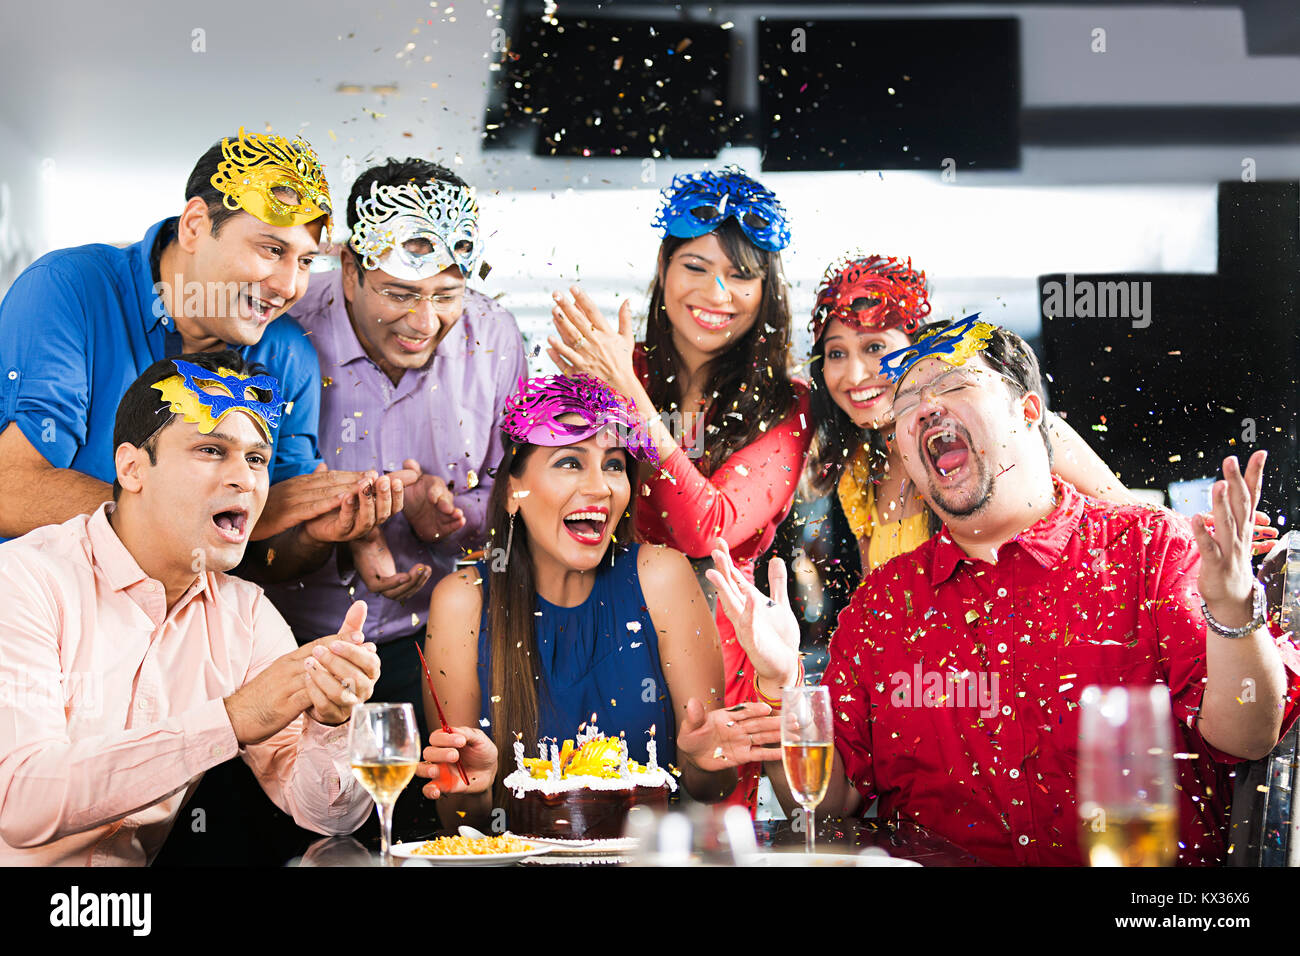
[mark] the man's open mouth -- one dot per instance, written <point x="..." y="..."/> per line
<point x="412" y="345"/>
<point x="946" y="449"/>
<point x="588" y="526"/>
<point x="260" y="309"/>
<point x="232" y="525"/>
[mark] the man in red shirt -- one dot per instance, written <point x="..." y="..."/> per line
<point x="956" y="671"/>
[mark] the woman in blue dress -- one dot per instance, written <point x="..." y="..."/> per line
<point x="567" y="617"/>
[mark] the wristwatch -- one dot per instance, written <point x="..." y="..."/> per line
<point x="1258" y="610"/>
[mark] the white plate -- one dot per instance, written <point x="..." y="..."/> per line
<point x="797" y="858"/>
<point x="608" y="847"/>
<point x="406" y="851"/>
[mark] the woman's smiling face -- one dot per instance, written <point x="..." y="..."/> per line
<point x="571" y="498"/>
<point x="851" y="367"/>
<point x="710" y="302"/>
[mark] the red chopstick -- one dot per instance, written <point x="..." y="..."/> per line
<point x="428" y="678"/>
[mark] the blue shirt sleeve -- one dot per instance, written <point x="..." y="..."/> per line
<point x="296" y="451"/>
<point x="44" y="350"/>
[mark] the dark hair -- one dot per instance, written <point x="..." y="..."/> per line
<point x="512" y="601"/>
<point x="1010" y="355"/>
<point x="200" y="185"/>
<point x="142" y="413"/>
<point x="394" y="172"/>
<point x="750" y="383"/>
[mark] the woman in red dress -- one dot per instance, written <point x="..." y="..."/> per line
<point x="711" y="379"/>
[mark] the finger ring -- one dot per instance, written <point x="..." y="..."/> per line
<point x="771" y="603"/>
<point x="751" y="740"/>
<point x="580" y="344"/>
<point x="347" y="684"/>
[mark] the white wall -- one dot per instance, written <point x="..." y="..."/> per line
<point x="122" y="100"/>
<point x="24" y="235"/>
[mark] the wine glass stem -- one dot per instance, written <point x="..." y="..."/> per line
<point x="809" y="836"/>
<point x="385" y="811"/>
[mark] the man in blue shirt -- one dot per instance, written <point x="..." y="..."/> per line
<point x="80" y="324"/>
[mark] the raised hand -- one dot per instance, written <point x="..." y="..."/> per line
<point x="588" y="344"/>
<point x="468" y="746"/>
<point x="1225" y="541"/>
<point x="726" y="738"/>
<point x="767" y="629"/>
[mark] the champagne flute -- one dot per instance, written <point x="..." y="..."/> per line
<point x="384" y="748"/>
<point x="806" y="750"/>
<point x="1126" y="776"/>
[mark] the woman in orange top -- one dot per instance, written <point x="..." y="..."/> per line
<point x="867" y="307"/>
<point x="716" y="361"/>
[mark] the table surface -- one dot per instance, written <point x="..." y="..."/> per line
<point x="899" y="839"/>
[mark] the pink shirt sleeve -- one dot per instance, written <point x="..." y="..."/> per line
<point x="750" y="492"/>
<point x="50" y="786"/>
<point x="304" y="768"/>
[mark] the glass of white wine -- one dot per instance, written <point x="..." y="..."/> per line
<point x="806" y="750"/>
<point x="384" y="748"/>
<point x="1126" y="776"/>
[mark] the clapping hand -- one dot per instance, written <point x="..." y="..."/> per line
<point x="374" y="561"/>
<point x="429" y="507"/>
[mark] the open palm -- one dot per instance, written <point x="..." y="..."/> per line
<point x="766" y="628"/>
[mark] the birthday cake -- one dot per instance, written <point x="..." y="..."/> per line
<point x="583" y="789"/>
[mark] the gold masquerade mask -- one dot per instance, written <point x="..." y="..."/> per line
<point x="256" y="165"/>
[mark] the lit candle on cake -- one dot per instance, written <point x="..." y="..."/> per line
<point x="654" y="757"/>
<point x="519" y="754"/>
<point x="623" y="770"/>
<point x="555" y="761"/>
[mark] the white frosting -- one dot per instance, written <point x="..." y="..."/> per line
<point x="520" y="782"/>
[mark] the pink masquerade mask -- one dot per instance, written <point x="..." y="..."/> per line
<point x="532" y="414"/>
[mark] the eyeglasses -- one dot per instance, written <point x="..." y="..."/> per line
<point x="407" y="301"/>
<point x="909" y="400"/>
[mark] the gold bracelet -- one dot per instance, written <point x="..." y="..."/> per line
<point x="775" y="703"/>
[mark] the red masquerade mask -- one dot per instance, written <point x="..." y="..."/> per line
<point x="872" y="293"/>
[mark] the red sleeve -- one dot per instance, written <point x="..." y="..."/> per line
<point x="751" y="491"/>
<point x="1175" y="602"/>
<point x="851" y="694"/>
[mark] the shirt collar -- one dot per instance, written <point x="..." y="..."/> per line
<point x="111" y="556"/>
<point x="1044" y="541"/>
<point x="152" y="307"/>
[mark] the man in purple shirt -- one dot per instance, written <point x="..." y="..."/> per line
<point x="415" y="369"/>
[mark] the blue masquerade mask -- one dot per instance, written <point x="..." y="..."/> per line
<point x="954" y="344"/>
<point x="698" y="203"/>
<point x="258" y="395"/>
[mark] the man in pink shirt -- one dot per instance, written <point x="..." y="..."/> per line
<point x="130" y="663"/>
